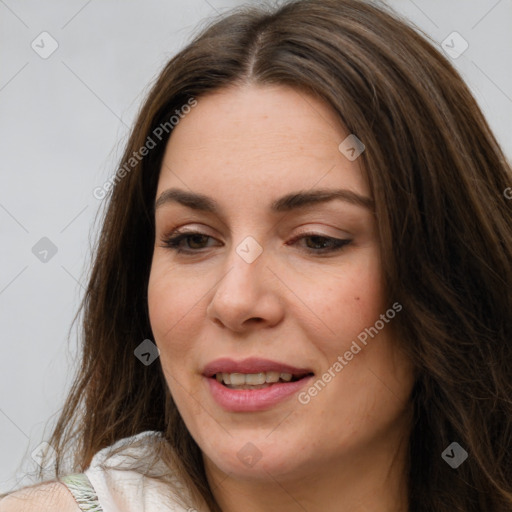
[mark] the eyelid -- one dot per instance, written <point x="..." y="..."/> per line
<point x="176" y="229"/>
<point x="315" y="230"/>
<point x="203" y="230"/>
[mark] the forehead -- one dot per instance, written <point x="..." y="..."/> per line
<point x="261" y="139"/>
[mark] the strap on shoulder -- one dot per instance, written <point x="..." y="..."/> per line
<point x="82" y="490"/>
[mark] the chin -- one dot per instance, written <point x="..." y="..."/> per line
<point x="258" y="458"/>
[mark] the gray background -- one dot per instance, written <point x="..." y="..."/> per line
<point x="63" y="123"/>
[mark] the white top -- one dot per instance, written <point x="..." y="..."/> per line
<point x="125" y="490"/>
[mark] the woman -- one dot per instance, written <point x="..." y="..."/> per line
<point x="300" y="299"/>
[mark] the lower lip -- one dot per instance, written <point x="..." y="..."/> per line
<point x="252" y="400"/>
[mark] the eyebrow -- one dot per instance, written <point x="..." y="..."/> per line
<point x="293" y="201"/>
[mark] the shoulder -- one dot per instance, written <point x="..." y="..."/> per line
<point x="131" y="475"/>
<point x="44" y="497"/>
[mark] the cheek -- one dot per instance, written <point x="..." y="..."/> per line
<point x="173" y="307"/>
<point x="351" y="299"/>
<point x="374" y="378"/>
<point x="174" y="316"/>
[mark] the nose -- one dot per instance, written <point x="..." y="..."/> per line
<point x="248" y="295"/>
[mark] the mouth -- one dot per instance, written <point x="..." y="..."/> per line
<point x="254" y="384"/>
<point x="260" y="380"/>
<point x="253" y="373"/>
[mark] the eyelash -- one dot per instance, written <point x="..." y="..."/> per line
<point x="173" y="242"/>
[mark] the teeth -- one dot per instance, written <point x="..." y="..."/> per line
<point x="252" y="379"/>
<point x="272" y="377"/>
<point x="237" y="379"/>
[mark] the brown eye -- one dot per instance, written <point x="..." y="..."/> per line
<point x="195" y="241"/>
<point x="321" y="244"/>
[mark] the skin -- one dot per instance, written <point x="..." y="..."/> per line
<point x="246" y="146"/>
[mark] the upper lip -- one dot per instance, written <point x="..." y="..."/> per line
<point x="251" y="365"/>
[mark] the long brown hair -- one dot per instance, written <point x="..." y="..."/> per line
<point x="437" y="175"/>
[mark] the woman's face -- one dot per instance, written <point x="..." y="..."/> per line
<point x="278" y="281"/>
